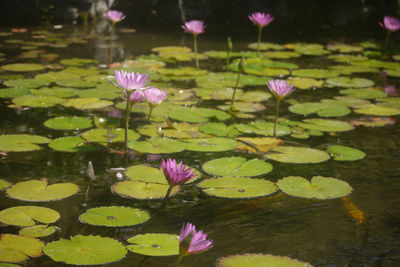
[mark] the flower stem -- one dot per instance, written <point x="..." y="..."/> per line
<point x="195" y="50"/>
<point x="180" y="257"/>
<point x="166" y="197"/>
<point x="151" y="106"/>
<point x="278" y="101"/>
<point x="127" y="115"/>
<point x="259" y="41"/>
<point x="387" y="40"/>
<point x="236" y="86"/>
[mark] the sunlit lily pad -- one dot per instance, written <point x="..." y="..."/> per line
<point x="315" y="73"/>
<point x="377" y="64"/>
<point x="54" y="91"/>
<point x="154" y="244"/>
<point x="259" y="260"/>
<point x="54" y="76"/>
<point x="344" y="48"/>
<point x="82" y="71"/>
<point x="23" y="67"/>
<point x="292" y="154"/>
<point x="320" y="187"/>
<point x="197" y="114"/>
<point x="171" y="48"/>
<point x="281" y="54"/>
<point x="37" y="101"/>
<point x="323" y="109"/>
<point x="102" y="93"/>
<point x="87" y="103"/>
<point x="142" y="190"/>
<point x="236" y="166"/>
<point x="266" y="46"/>
<point x="14" y="92"/>
<point x="325" y="125"/>
<point x="237" y="187"/>
<point x="143" y="64"/>
<point x="306" y="83"/>
<point x="109" y="135"/>
<point x="345" y="153"/>
<point x="246" y="107"/>
<point x="227" y="93"/>
<point x="68" y="123"/>
<point x="114" y="216"/>
<point x="177" y="130"/>
<point x="348" y="82"/>
<point x="31" y="83"/>
<point x="344" y="58"/>
<point x="85" y="250"/>
<point x="257" y="144"/>
<point x="28" y="215"/>
<point x="262" y="128"/>
<point x="376" y="110"/>
<point x="78" y="61"/>
<point x="72" y="144"/>
<point x="218" y="80"/>
<point x="4" y="184"/>
<point x="39" y="230"/>
<point x="76" y="83"/>
<point x="219" y="129"/>
<point x="349" y="69"/>
<point x="158" y="145"/>
<point x="21" y="142"/>
<point x="263" y="71"/>
<point x="210" y="144"/>
<point x="16" y="248"/>
<point x="367" y="93"/>
<point x="39" y="191"/>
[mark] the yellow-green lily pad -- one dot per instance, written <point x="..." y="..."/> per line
<point x="78" y="61"/>
<point x="39" y="230"/>
<point x="31" y="83"/>
<point x="348" y="82"/>
<point x="344" y="48"/>
<point x="197" y="114"/>
<point x="266" y="46"/>
<point x="367" y="93"/>
<point x="154" y="244"/>
<point x="109" y="135"/>
<point x="236" y="166"/>
<point x="260" y="260"/>
<point x="157" y="145"/>
<point x="306" y="83"/>
<point x="315" y="73"/>
<point x="345" y="153"/>
<point x="376" y="110"/>
<point x="4" y="184"/>
<point x="325" y="125"/>
<point x="16" y="248"/>
<point x="68" y="123"/>
<point x="262" y="128"/>
<point x="72" y="144"/>
<point x="37" y="101"/>
<point x="210" y="144"/>
<point x="21" y="142"/>
<point x="142" y="190"/>
<point x="219" y="129"/>
<point x="28" y="215"/>
<point x="87" y="103"/>
<point x="23" y="67"/>
<point x="292" y="154"/>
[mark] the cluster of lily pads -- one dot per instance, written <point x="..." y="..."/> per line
<point x="197" y="116"/>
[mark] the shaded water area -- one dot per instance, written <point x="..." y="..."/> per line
<point x="320" y="232"/>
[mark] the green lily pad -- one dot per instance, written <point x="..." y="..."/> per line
<point x="142" y="190"/>
<point x="37" y="101"/>
<point x="143" y="64"/>
<point x="219" y="129"/>
<point x="78" y="61"/>
<point x="114" y="216"/>
<point x="4" y="264"/>
<point x="262" y="128"/>
<point x="28" y="215"/>
<point x="266" y="46"/>
<point x="344" y="48"/>
<point x="323" y="109"/>
<point x="315" y="73"/>
<point x="54" y="76"/>
<point x="54" y="91"/>
<point x="76" y="83"/>
<point x="39" y="230"/>
<point x="159" y="49"/>
<point x="197" y="114"/>
<point x="363" y="93"/>
<point x="325" y="125"/>
<point x="348" y="69"/>
<point x="376" y="110"/>
<point x="210" y="144"/>
<point x="343" y="58"/>
<point x="320" y="187"/>
<point x="109" y="135"/>
<point x="259" y="260"/>
<point x="39" y="191"/>
<point x="4" y="184"/>
<point x="182" y="72"/>
<point x="259" y="70"/>
<point x="343" y="81"/>
<point x="23" y="67"/>
<point x="87" y="103"/>
<point x="237" y="187"/>
<point x="16" y="248"/>
<point x="103" y="93"/>
<point x="227" y="93"/>
<point x="292" y="154"/>
<point x="377" y="64"/>
<point x="72" y="144"/>
<point x="68" y="123"/>
<point x="281" y="54"/>
<point x="393" y="73"/>
<point x="21" y="142"/>
<point x="246" y="107"/>
<point x="218" y="80"/>
<point x="85" y="250"/>
<point x="306" y="83"/>
<point x="236" y="166"/>
<point x="14" y="92"/>
<point x="157" y="145"/>
<point x="154" y="244"/>
<point x="31" y="83"/>
<point x="220" y="54"/>
<point x="345" y="153"/>
<point x="83" y="71"/>
<point x="177" y="130"/>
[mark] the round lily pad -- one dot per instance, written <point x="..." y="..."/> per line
<point x="142" y="190"/>
<point x="237" y="187"/>
<point x="14" y="92"/>
<point x="28" y="215"/>
<point x="262" y="128"/>
<point x="320" y="187"/>
<point x="157" y="145"/>
<point x="210" y="144"/>
<point x="85" y="250"/>
<point x="54" y="76"/>
<point x="87" y="103"/>
<point x="16" y="248"/>
<point x="306" y="83"/>
<point x="345" y="153"/>
<point x="325" y="125"/>
<point x="197" y="114"/>
<point x="348" y="82"/>
<point x="39" y="230"/>
<point x="266" y="46"/>
<point x="344" y="48"/>
<point x="219" y="129"/>
<point x="349" y="69"/>
<point x="154" y="244"/>
<point x="76" y="83"/>
<point x="78" y="61"/>
<point x="72" y="144"/>
<point x="281" y="54"/>
<point x="54" y="91"/>
<point x="23" y="67"/>
<point x="21" y="142"/>
<point x="39" y="191"/>
<point x="236" y="166"/>
<point x="31" y="83"/>
<point x="376" y="110"/>
<point x="323" y="109"/>
<point x="68" y="123"/>
<point x="103" y="93"/>
<point x="109" y="135"/>
<point x="363" y="93"/>
<point x="259" y="260"/>
<point x="4" y="184"/>
<point x="315" y="73"/>
<point x="292" y="154"/>
<point x="37" y="101"/>
<point x="114" y="216"/>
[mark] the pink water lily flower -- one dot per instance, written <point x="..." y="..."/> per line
<point x="137" y="96"/>
<point x="155" y="96"/>
<point x="261" y="19"/>
<point x="390" y="23"/>
<point x="280" y="88"/>
<point x="115" y="16"/>
<point x="194" y="27"/>
<point x="177" y="174"/>
<point x="192" y="241"/>
<point x="130" y="81"/>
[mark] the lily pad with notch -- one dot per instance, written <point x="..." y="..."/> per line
<point x="345" y="153"/>
<point x="343" y="81"/>
<point x="109" y="135"/>
<point x="325" y="125"/>
<point x="262" y="128"/>
<point x="23" y="67"/>
<point x="154" y="244"/>
<point x="315" y="73"/>
<point x="69" y="123"/>
<point x="219" y="129"/>
<point x="236" y="166"/>
<point x="39" y="230"/>
<point x="300" y="155"/>
<point x="28" y="215"/>
<point x="157" y="145"/>
<point x="37" y="101"/>
<point x="142" y="190"/>
<point x="17" y="248"/>
<point x="21" y="142"/>
<point x="87" y="103"/>
<point x="260" y="260"/>
<point x="197" y="114"/>
<point x="214" y="144"/>
<point x="72" y="144"/>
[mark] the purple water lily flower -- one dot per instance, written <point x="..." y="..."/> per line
<point x="192" y="241"/>
<point x="194" y="26"/>
<point x="115" y="16"/>
<point x="130" y="81"/>
<point x="261" y="19"/>
<point x="155" y="96"/>
<point x="136" y="96"/>
<point x="177" y="174"/>
<point x="390" y="23"/>
<point x="280" y="88"/>
<point x="390" y="90"/>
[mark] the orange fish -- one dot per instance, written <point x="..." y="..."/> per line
<point x="352" y="210"/>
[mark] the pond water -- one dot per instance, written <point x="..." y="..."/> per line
<point x="357" y="229"/>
